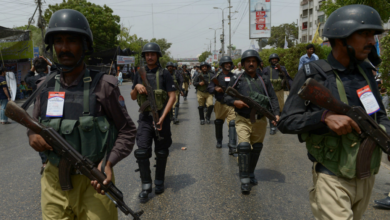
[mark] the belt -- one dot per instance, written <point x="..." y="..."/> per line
<point x="222" y="102"/>
<point x="322" y="169"/>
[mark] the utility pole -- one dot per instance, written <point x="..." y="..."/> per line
<point x="42" y="27"/>
<point x="223" y="35"/>
<point x="230" y="32"/>
<point x="215" y="37"/>
<point x="260" y="44"/>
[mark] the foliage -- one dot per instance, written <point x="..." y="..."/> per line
<point x="385" y="65"/>
<point x="204" y="56"/>
<point x="236" y="61"/>
<point x="163" y="43"/>
<point x="382" y="6"/>
<point x="36" y="35"/>
<point x="103" y="23"/>
<point x="282" y="32"/>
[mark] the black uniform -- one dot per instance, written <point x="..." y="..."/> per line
<point x="146" y="134"/>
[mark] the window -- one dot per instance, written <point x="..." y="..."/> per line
<point x="304" y="25"/>
<point x="321" y="19"/>
<point x="311" y="11"/>
<point x="303" y="39"/>
<point x="310" y="38"/>
<point x="304" y="13"/>
<point x="311" y="24"/>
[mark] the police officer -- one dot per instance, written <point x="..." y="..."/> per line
<point x="94" y="121"/>
<point x="276" y="74"/>
<point x="337" y="193"/>
<point x="251" y="136"/>
<point x="186" y="80"/>
<point x="222" y="110"/>
<point x="164" y="89"/>
<point x="204" y="97"/>
<point x="177" y="80"/>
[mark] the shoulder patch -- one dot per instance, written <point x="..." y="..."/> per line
<point x="121" y="101"/>
<point x="110" y="79"/>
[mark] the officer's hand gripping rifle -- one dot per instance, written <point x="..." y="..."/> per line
<point x="216" y="82"/>
<point x="202" y="78"/>
<point x="255" y="107"/>
<point x="150" y="102"/>
<point x="177" y="86"/>
<point x="372" y="133"/>
<point x="70" y="158"/>
<point x="284" y="75"/>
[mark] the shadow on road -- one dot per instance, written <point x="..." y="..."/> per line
<point x="268" y="175"/>
<point x="178" y="182"/>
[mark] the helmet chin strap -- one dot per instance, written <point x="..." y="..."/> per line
<point x="353" y="62"/>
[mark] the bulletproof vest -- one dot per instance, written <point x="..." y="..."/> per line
<point x="91" y="135"/>
<point x="206" y="78"/>
<point x="156" y="82"/>
<point x="276" y="83"/>
<point x="174" y="77"/>
<point x="337" y="153"/>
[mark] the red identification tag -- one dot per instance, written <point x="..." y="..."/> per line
<point x="368" y="100"/>
<point x="227" y="79"/>
<point x="55" y="104"/>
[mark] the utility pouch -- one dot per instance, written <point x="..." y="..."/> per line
<point x="277" y="84"/>
<point x="260" y="99"/>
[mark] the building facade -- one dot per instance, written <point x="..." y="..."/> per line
<point x="310" y="16"/>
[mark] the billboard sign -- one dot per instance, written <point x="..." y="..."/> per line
<point x="259" y="19"/>
<point x="36" y="52"/>
<point x="123" y="60"/>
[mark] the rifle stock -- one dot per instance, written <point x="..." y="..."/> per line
<point x="70" y="158"/>
<point x="202" y="78"/>
<point x="216" y="82"/>
<point x="372" y="133"/>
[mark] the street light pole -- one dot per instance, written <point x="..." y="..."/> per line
<point x="215" y="37"/>
<point x="223" y="29"/>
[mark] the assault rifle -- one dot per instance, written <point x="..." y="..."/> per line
<point x="373" y="135"/>
<point x="255" y="107"/>
<point x="70" y="158"/>
<point x="202" y="78"/>
<point x="216" y="82"/>
<point x="285" y="80"/>
<point x="177" y="86"/>
<point x="150" y="102"/>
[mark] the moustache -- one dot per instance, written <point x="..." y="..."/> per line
<point x="251" y="66"/>
<point x="68" y="54"/>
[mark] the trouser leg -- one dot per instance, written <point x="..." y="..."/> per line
<point x="244" y="156"/>
<point x="143" y="156"/>
<point x="219" y="131"/>
<point x="161" y="163"/>
<point x="232" y="137"/>
<point x="255" y="154"/>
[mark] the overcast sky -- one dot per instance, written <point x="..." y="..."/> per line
<point x="184" y="23"/>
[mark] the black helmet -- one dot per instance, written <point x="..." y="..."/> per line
<point x="175" y="65"/>
<point x="68" y="20"/>
<point x="151" y="47"/>
<point x="225" y="59"/>
<point x="250" y="53"/>
<point x="184" y="65"/>
<point x="351" y="18"/>
<point x="273" y="56"/>
<point x="203" y="64"/>
<point x="169" y="64"/>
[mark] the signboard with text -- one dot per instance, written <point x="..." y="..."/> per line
<point x="259" y="19"/>
<point x="123" y="60"/>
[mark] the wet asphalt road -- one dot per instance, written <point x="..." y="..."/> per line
<point x="201" y="182"/>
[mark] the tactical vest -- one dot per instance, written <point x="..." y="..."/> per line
<point x="156" y="82"/>
<point x="91" y="135"/>
<point x="204" y="87"/>
<point x="339" y="153"/>
<point x="276" y="83"/>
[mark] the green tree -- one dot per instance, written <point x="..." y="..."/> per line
<point x="281" y="32"/>
<point x="103" y="23"/>
<point x="36" y="35"/>
<point x="385" y="66"/>
<point x="204" y="56"/>
<point x="163" y="43"/>
<point x="382" y="6"/>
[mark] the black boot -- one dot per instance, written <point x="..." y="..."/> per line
<point x="244" y="156"/>
<point x="143" y="156"/>
<point x="272" y="128"/>
<point x="208" y="115"/>
<point x="175" y="120"/>
<point x="384" y="203"/>
<point x="201" y="115"/>
<point x="219" y="131"/>
<point x="232" y="137"/>
<point x="161" y="163"/>
<point x="255" y="154"/>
